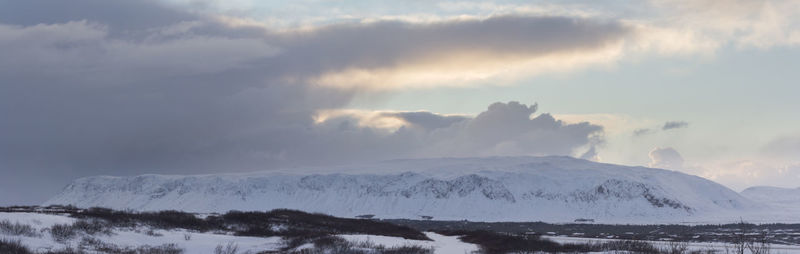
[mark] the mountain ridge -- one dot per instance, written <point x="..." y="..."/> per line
<point x="553" y="189"/>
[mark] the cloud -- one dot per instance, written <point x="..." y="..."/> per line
<point x="666" y="157"/>
<point x="642" y="131"/>
<point x="503" y="129"/>
<point x="665" y="127"/>
<point x="120" y="16"/>
<point x="674" y="125"/>
<point x="508" y="129"/>
<point x="590" y="154"/>
<point x="451" y="52"/>
<point x="689" y="26"/>
<point x="744" y="173"/>
<point x="426" y="120"/>
<point x="142" y="87"/>
<point x="783" y="148"/>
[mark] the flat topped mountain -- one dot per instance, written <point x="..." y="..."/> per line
<point x="554" y="189"/>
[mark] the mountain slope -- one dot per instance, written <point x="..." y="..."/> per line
<point x="556" y="189"/>
<point x="776" y="197"/>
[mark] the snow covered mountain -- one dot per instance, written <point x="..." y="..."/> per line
<point x="554" y="189"/>
<point x="776" y="197"/>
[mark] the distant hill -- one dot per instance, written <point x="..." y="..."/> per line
<point x="551" y="189"/>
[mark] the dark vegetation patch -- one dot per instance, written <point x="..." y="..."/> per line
<point x="64" y="232"/>
<point x="776" y="233"/>
<point x="497" y="243"/>
<point x="13" y="247"/>
<point x="491" y="242"/>
<point x="16" y="229"/>
<point x="338" y="245"/>
<point x="16" y="247"/>
<point x="306" y="224"/>
<point x="279" y="222"/>
<point x="160" y="220"/>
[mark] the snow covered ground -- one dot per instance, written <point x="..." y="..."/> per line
<point x="691" y="246"/>
<point x="197" y="242"/>
<point x="440" y="244"/>
<point x="191" y="242"/>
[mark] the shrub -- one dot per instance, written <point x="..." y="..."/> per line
<point x="631" y="246"/>
<point x="13" y="247"/>
<point x="16" y="229"/>
<point x="152" y="232"/>
<point x="102" y="247"/>
<point x="412" y="249"/>
<point x="62" y="232"/>
<point x="338" y="245"/>
<point x="68" y="250"/>
<point x="230" y="248"/>
<point x="161" y="220"/>
<point x="92" y="227"/>
<point x="307" y="224"/>
<point x="491" y="242"/>
<point x="163" y="249"/>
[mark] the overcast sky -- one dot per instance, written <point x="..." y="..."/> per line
<point x="116" y="87"/>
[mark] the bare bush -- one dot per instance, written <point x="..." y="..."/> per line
<point x="230" y="248"/>
<point x="152" y="232"/>
<point x="103" y="247"/>
<point x="626" y="245"/>
<point x="163" y="249"/>
<point x="17" y="229"/>
<point x="62" y="232"/>
<point x="676" y="247"/>
<point x="13" y="247"/>
<point x="745" y="241"/>
<point x="92" y="227"/>
<point x="338" y="245"/>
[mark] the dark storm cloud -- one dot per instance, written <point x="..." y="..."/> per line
<point x="427" y="120"/>
<point x="392" y="43"/>
<point x="503" y="129"/>
<point x="128" y="87"/>
<point x="674" y="125"/>
<point x="119" y="15"/>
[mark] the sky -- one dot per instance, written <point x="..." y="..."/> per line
<point x="112" y="87"/>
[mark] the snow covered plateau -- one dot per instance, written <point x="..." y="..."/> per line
<point x="550" y="189"/>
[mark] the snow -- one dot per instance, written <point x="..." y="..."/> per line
<point x="450" y="244"/>
<point x="778" y="202"/>
<point x="196" y="242"/>
<point x="36" y="220"/>
<point x="550" y="189"/>
<point x="691" y="246"/>
<point x="441" y="243"/>
<point x="775" y="196"/>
